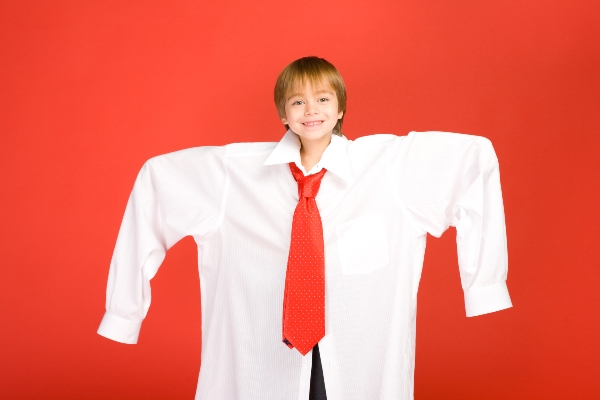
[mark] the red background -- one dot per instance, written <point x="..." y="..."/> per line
<point x="90" y="90"/>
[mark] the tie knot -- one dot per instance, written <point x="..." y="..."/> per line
<point x="308" y="186"/>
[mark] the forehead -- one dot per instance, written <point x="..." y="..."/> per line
<point x="306" y="85"/>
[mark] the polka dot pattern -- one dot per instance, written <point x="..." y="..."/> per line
<point x="304" y="296"/>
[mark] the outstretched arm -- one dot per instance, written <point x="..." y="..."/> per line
<point x="451" y="179"/>
<point x="175" y="195"/>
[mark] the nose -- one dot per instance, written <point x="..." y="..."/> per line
<point x="311" y="108"/>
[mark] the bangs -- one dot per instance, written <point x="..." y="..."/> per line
<point x="297" y="83"/>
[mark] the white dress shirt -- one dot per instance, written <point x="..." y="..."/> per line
<point x="380" y="195"/>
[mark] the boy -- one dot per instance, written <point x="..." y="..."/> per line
<point x="312" y="240"/>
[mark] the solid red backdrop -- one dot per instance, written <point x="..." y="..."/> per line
<point x="90" y="90"/>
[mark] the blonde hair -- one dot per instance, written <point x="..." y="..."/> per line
<point x="315" y="71"/>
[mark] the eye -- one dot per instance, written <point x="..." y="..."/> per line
<point x="297" y="102"/>
<point x="322" y="99"/>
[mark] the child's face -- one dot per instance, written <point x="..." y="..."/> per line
<point x="312" y="113"/>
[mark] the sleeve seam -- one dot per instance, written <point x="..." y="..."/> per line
<point x="160" y="214"/>
<point x="397" y="196"/>
<point x="225" y="192"/>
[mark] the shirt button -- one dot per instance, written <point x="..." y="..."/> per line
<point x="303" y="365"/>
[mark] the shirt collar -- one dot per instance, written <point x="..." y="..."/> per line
<point x="334" y="158"/>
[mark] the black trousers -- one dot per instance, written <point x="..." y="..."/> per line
<point x="317" y="382"/>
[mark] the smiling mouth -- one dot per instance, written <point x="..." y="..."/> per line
<point x="312" y="123"/>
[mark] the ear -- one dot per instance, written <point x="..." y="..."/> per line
<point x="284" y="120"/>
<point x="340" y="114"/>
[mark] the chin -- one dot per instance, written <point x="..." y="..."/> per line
<point x="313" y="135"/>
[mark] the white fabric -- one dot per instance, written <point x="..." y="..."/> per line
<point x="380" y="196"/>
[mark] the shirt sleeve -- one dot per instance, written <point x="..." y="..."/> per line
<point x="174" y="195"/>
<point x="450" y="179"/>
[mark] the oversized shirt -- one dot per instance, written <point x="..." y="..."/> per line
<point x="380" y="197"/>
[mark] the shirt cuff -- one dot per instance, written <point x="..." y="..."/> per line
<point x="487" y="299"/>
<point x="119" y="329"/>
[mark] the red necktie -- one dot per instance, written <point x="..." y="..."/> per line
<point x="304" y="296"/>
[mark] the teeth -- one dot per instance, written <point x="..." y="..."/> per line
<point x="313" y="123"/>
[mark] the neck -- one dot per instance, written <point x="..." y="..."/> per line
<point x="311" y="151"/>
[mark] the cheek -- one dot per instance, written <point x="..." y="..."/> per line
<point x="291" y="114"/>
<point x="334" y="111"/>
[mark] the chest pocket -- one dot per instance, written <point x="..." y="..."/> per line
<point x="362" y="245"/>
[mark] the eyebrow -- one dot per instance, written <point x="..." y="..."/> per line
<point x="317" y="92"/>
